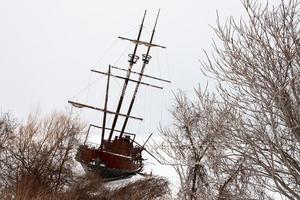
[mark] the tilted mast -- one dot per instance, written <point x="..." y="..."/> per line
<point x="146" y="59"/>
<point x="132" y="60"/>
<point x="105" y="106"/>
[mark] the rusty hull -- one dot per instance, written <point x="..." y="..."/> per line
<point x="116" y="158"/>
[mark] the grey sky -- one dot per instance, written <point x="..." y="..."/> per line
<point x="48" y="47"/>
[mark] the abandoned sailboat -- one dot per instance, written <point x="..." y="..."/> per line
<point x="120" y="156"/>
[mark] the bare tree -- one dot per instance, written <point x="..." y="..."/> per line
<point x="39" y="156"/>
<point x="37" y="162"/>
<point x="258" y="68"/>
<point x="198" y="145"/>
<point x="7" y="128"/>
<point x="245" y="143"/>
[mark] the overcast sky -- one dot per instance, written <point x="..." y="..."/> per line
<point x="48" y="47"/>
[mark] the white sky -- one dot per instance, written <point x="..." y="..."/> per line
<point x="48" y="47"/>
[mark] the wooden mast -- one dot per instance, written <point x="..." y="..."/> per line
<point x="105" y="107"/>
<point x="132" y="61"/>
<point x="146" y="59"/>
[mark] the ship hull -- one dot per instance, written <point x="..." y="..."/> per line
<point x="115" y="160"/>
<point x="109" y="174"/>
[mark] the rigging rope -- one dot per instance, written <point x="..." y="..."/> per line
<point x="123" y="52"/>
<point x="106" y="51"/>
<point x="86" y="87"/>
<point x="99" y="61"/>
<point x="112" y="45"/>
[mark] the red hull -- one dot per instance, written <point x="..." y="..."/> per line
<point x="119" y="156"/>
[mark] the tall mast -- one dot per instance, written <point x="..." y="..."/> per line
<point x="146" y="59"/>
<point x="105" y="107"/>
<point x="132" y="60"/>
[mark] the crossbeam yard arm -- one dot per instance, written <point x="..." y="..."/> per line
<point x="147" y="44"/>
<point x="131" y="63"/>
<point x="145" y="75"/>
<point x="106" y="128"/>
<point x="80" y="105"/>
<point x="120" y="77"/>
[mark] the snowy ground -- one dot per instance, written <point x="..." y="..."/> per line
<point x="150" y="166"/>
<point x="161" y="170"/>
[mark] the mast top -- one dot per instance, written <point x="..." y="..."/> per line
<point x="147" y="57"/>
<point x="133" y="57"/>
